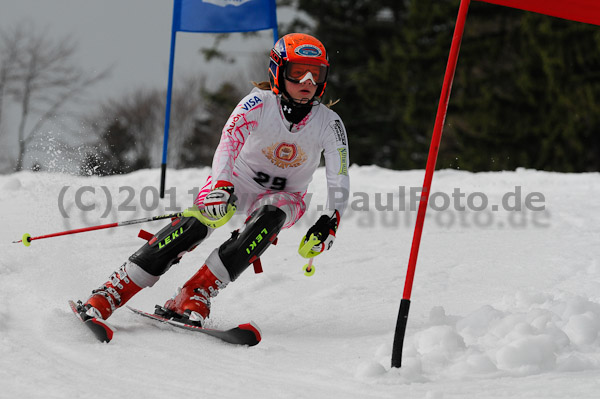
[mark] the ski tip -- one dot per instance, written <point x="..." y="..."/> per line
<point x="75" y="310"/>
<point x="252" y="327"/>
<point x="72" y="305"/>
<point x="104" y="333"/>
<point x="101" y="330"/>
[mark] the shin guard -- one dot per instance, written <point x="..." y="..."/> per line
<point x="168" y="246"/>
<point x="245" y="247"/>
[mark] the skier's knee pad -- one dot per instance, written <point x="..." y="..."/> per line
<point x="259" y="232"/>
<point x="168" y="246"/>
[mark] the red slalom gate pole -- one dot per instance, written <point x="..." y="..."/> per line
<point x="26" y="240"/>
<point x="430" y="168"/>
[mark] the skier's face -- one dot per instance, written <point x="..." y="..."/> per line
<point x="301" y="92"/>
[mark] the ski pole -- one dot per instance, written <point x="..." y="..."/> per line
<point x="190" y="212"/>
<point x="26" y="240"/>
<point x="305" y="250"/>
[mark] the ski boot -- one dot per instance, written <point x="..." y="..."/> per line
<point x="191" y="305"/>
<point x="111" y="295"/>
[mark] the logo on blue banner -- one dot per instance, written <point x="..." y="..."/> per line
<point x="224" y="15"/>
<point x="225" y="3"/>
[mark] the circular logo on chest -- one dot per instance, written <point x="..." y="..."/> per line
<point x="285" y="155"/>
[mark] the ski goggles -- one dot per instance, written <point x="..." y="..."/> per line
<point x="300" y="73"/>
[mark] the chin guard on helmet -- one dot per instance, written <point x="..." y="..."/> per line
<point x="293" y="57"/>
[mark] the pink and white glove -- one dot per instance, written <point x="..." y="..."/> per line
<point x="217" y="201"/>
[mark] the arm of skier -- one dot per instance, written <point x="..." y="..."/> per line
<point x="242" y="121"/>
<point x="218" y="203"/>
<point x="322" y="234"/>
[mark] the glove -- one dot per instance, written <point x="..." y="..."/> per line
<point x="321" y="235"/>
<point x="217" y="201"/>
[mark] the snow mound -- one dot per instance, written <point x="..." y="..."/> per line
<point x="525" y="335"/>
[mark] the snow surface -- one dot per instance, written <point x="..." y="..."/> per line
<point x="504" y="304"/>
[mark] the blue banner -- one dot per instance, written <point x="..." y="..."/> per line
<point x="224" y="15"/>
<point x="213" y="16"/>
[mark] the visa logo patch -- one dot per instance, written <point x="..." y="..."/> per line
<point x="251" y="103"/>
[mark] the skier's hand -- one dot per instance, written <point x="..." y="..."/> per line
<point x="321" y="235"/>
<point x="216" y="203"/>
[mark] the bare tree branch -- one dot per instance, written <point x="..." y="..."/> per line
<point x="10" y="44"/>
<point x="60" y="101"/>
<point x="43" y="76"/>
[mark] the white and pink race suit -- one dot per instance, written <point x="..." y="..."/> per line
<point x="271" y="161"/>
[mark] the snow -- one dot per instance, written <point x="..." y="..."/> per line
<point x="504" y="303"/>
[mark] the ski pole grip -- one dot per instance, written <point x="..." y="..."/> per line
<point x="305" y="249"/>
<point x="213" y="224"/>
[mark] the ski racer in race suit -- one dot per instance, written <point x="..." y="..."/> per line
<point x="269" y="150"/>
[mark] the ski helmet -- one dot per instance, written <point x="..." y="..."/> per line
<point x="298" y="57"/>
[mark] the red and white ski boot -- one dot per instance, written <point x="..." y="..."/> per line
<point x="111" y="295"/>
<point x="192" y="303"/>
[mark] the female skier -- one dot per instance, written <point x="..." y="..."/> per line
<point x="269" y="149"/>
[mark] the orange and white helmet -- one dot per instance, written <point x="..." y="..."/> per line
<point x="298" y="57"/>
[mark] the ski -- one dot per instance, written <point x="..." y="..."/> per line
<point x="102" y="331"/>
<point x="244" y="334"/>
